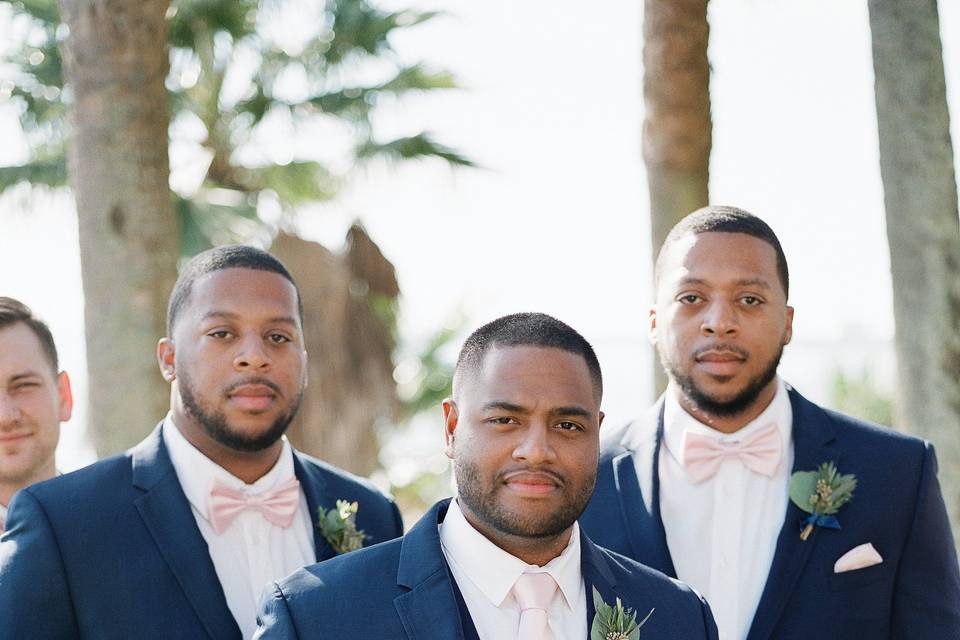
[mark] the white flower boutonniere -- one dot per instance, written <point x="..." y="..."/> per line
<point x="339" y="529"/>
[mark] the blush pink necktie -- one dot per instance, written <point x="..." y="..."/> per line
<point x="278" y="506"/>
<point x="760" y="452"/>
<point x="534" y="591"/>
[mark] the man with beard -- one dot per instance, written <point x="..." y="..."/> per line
<point x="505" y="559"/>
<point x="176" y="537"/>
<point x="723" y="483"/>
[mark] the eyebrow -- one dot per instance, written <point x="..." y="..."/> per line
<point x="25" y="375"/>
<point x="745" y="282"/>
<point x="229" y="315"/>
<point x="502" y="405"/>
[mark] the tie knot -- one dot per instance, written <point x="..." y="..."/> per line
<point x="534" y="590"/>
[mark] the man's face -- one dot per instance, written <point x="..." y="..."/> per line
<point x="721" y="320"/>
<point x="33" y="402"/>
<point x="237" y="360"/>
<point x="523" y="435"/>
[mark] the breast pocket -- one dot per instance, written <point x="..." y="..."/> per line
<point x="859" y="577"/>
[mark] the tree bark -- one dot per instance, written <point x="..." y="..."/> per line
<point x="677" y="130"/>
<point x="923" y="228"/>
<point x="116" y="64"/>
<point x="348" y="303"/>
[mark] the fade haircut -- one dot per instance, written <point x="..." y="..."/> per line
<point x="725" y="219"/>
<point x="231" y="256"/>
<point x="527" y="330"/>
<point x="13" y="311"/>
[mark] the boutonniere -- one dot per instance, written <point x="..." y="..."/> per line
<point x="614" y="623"/>
<point x="821" y="493"/>
<point x="338" y="527"/>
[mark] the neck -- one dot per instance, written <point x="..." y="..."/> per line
<point x="248" y="466"/>
<point x="729" y="423"/>
<point x="7" y="489"/>
<point x="532" y="550"/>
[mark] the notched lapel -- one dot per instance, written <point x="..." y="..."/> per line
<point x="314" y="490"/>
<point x="814" y="442"/>
<point x="167" y="515"/>
<point x="596" y="573"/>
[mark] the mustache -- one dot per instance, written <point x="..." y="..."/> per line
<point x="233" y="386"/>
<point x="721" y="347"/>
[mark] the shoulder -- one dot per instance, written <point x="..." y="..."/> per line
<point x="636" y="435"/>
<point x="634" y="575"/>
<point x="105" y="478"/>
<point x="336" y="479"/>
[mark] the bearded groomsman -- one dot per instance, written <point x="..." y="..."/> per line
<point x="35" y="398"/>
<point x="738" y="485"/>
<point x="176" y="537"/>
<point x="505" y="559"/>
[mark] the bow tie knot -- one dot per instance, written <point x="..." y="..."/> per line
<point x="278" y="506"/>
<point x="760" y="452"/>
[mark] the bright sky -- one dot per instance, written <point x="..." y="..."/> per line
<point x="552" y="107"/>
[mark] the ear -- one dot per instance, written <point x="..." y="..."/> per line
<point x="65" y="395"/>
<point x="165" y="358"/>
<point x="652" y="326"/>
<point x="450" y="417"/>
<point x="788" y="333"/>
<point x="600" y="422"/>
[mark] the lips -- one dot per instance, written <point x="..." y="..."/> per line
<point x="532" y="483"/>
<point x="720" y="362"/>
<point x="252" y="397"/>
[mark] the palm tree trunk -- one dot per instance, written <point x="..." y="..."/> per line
<point x="923" y="229"/>
<point x="677" y="130"/>
<point x="116" y="64"/>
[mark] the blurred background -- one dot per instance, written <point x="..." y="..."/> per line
<point x="425" y="167"/>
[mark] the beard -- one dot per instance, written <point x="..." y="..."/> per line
<point x="481" y="500"/>
<point x="215" y="425"/>
<point x="730" y="407"/>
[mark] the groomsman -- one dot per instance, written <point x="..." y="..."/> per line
<point x="176" y="537"/>
<point x="727" y="482"/>
<point x="505" y="559"/>
<point x="34" y="399"/>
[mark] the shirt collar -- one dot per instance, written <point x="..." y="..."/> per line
<point x="196" y="471"/>
<point x="676" y="420"/>
<point x="493" y="570"/>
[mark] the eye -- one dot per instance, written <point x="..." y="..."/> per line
<point x="220" y="334"/>
<point x="751" y="301"/>
<point x="502" y="420"/>
<point x="25" y="385"/>
<point x="689" y="298"/>
<point x="567" y="425"/>
<point x="279" y="338"/>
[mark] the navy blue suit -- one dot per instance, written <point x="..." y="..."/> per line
<point x="402" y="590"/>
<point x="897" y="506"/>
<point x="113" y="550"/>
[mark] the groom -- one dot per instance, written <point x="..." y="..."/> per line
<point x="176" y="537"/>
<point x="505" y="559"/>
<point x="699" y="487"/>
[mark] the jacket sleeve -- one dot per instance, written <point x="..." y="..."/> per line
<point x="708" y="622"/>
<point x="274" y="621"/>
<point x="926" y="600"/>
<point x="34" y="594"/>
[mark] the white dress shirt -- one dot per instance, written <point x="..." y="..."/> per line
<point x="485" y="574"/>
<point x="252" y="551"/>
<point x="722" y="533"/>
<point x="3" y="516"/>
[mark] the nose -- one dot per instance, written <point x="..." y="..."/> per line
<point x="251" y="354"/>
<point x="9" y="411"/>
<point x="720" y="320"/>
<point x="534" y="447"/>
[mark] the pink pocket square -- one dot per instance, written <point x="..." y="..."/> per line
<point x="858" y="558"/>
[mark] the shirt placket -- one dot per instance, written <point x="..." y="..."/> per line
<point x="728" y="512"/>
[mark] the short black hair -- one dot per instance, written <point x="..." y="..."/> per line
<point x="231" y="256"/>
<point x="725" y="219"/>
<point x="13" y="311"/>
<point x="528" y="329"/>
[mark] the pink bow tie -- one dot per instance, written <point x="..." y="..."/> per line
<point x="278" y="506"/>
<point x="759" y="452"/>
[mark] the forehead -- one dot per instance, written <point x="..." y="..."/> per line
<point x="21" y="352"/>
<point x="719" y="258"/>
<point x="527" y="374"/>
<point x="248" y="294"/>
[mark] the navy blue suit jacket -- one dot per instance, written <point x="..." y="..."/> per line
<point x="897" y="506"/>
<point x="113" y="550"/>
<point x="402" y="590"/>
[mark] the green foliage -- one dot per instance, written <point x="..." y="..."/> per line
<point x="434" y="378"/>
<point x="338" y="527"/>
<point x="228" y="73"/>
<point x="616" y="622"/>
<point x="822" y="492"/>
<point x="860" y="397"/>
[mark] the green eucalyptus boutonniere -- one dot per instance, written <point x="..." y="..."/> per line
<point x="821" y="493"/>
<point x="614" y="623"/>
<point x="338" y="527"/>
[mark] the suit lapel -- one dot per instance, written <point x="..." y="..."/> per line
<point x="313" y="486"/>
<point x="596" y="574"/>
<point x="429" y="609"/>
<point x="167" y="515"/>
<point x="813" y="443"/>
<point x="648" y="538"/>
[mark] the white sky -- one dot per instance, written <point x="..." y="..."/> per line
<point x="557" y="222"/>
